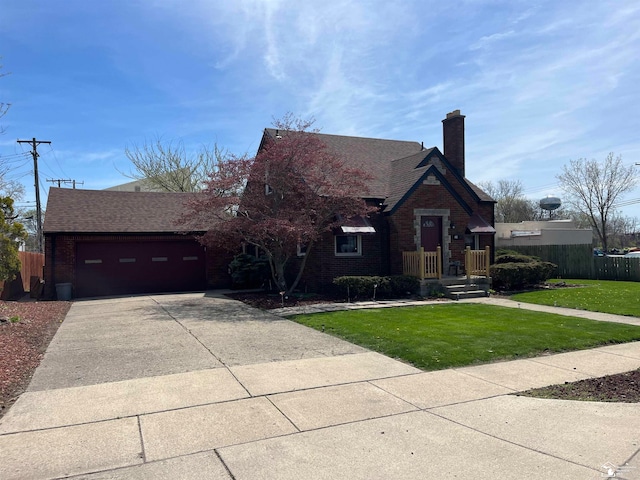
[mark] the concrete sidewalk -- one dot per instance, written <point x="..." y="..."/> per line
<point x="496" y="301"/>
<point x="200" y="386"/>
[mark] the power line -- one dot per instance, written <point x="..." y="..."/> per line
<point x="15" y="156"/>
<point x="626" y="203"/>
<point x="541" y="188"/>
<point x="57" y="162"/>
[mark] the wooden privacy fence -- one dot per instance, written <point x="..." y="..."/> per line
<point x="422" y="264"/>
<point x="616" y="268"/>
<point x="31" y="266"/>
<point x="578" y="261"/>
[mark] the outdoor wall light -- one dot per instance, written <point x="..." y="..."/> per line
<point x="452" y="226"/>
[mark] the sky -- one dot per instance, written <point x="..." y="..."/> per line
<point x="540" y="82"/>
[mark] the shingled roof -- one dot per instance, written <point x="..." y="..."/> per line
<point x="103" y="211"/>
<point x="393" y="164"/>
<point x="374" y="155"/>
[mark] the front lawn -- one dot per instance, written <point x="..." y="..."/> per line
<point x="434" y="337"/>
<point x="620" y="298"/>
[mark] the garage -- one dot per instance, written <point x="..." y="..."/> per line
<point x="105" y="242"/>
<point x="128" y="267"/>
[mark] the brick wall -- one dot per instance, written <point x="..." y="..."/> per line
<point x="404" y="230"/>
<point x="323" y="265"/>
<point x="217" y="265"/>
<point x="382" y="252"/>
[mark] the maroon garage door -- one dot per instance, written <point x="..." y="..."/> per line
<point x="131" y="267"/>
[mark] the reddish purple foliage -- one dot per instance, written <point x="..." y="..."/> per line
<point x="289" y="194"/>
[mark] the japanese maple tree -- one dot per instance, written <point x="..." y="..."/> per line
<point x="292" y="192"/>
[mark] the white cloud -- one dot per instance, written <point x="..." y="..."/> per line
<point x="67" y="157"/>
<point x="487" y="40"/>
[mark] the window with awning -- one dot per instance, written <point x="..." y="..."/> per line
<point x="357" y="225"/>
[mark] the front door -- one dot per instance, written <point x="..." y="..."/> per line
<point x="430" y="233"/>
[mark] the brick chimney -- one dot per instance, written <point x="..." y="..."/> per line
<point x="453" y="139"/>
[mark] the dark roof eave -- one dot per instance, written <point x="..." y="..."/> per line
<point x="94" y="232"/>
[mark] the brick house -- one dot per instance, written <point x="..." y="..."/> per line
<point x="123" y="242"/>
<point x="424" y="201"/>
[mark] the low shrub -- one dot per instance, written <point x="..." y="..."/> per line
<point x="520" y="275"/>
<point x="395" y="286"/>
<point x="361" y="287"/>
<point x="402" y="285"/>
<point x="515" y="258"/>
<point x="248" y="271"/>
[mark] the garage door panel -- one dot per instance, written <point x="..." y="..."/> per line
<point x="131" y="267"/>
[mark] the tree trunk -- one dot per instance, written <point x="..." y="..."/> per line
<point x="301" y="269"/>
<point x="278" y="274"/>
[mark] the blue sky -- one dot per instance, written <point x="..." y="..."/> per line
<point x="540" y="82"/>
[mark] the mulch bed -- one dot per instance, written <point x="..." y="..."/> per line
<point x="26" y="328"/>
<point x="624" y="387"/>
<point x="271" y="301"/>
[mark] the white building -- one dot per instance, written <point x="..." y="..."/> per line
<point x="550" y="232"/>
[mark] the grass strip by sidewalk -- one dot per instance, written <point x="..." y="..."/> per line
<point x="434" y="337"/>
<point x="619" y="298"/>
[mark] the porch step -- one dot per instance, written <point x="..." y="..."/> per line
<point x="463" y="291"/>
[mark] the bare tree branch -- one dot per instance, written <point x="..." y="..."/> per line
<point x="594" y="188"/>
<point x="511" y="204"/>
<point x="167" y="166"/>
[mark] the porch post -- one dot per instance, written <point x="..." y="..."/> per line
<point x="439" y="261"/>
<point x="467" y="261"/>
<point x="487" y="259"/>
<point x="422" y="263"/>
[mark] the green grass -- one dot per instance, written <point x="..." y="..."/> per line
<point x="434" y="337"/>
<point x="620" y="298"/>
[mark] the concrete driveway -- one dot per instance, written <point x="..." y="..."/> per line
<point x="120" y="339"/>
<point x="200" y="386"/>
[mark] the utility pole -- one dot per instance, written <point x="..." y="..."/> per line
<point x="34" y="153"/>
<point x="59" y="181"/>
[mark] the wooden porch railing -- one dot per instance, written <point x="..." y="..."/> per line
<point x="423" y="264"/>
<point x="476" y="262"/>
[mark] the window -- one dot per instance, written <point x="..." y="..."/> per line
<point x="348" y="245"/>
<point x="472" y="241"/>
<point x="302" y="250"/>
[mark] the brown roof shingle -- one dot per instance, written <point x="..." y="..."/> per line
<point x="374" y="155"/>
<point x="392" y="163"/>
<point x="104" y="211"/>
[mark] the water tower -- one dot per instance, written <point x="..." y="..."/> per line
<point x="550" y="203"/>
